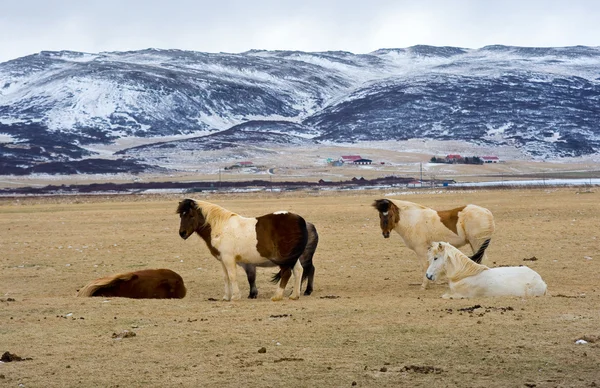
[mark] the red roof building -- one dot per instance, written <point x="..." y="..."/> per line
<point x="350" y="158"/>
<point x="490" y="159"/>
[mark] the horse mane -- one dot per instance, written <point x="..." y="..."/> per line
<point x="407" y="204"/>
<point x="214" y="215"/>
<point x="91" y="288"/>
<point x="459" y="265"/>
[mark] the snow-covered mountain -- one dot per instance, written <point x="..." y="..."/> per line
<point x="59" y="106"/>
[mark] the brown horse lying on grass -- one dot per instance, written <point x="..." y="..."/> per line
<point x="147" y="283"/>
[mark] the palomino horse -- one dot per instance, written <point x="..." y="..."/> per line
<point x="306" y="260"/>
<point x="147" y="283"/>
<point x="278" y="237"/>
<point x="468" y="279"/>
<point x="419" y="226"/>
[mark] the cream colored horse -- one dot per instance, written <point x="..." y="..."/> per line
<point x="468" y="279"/>
<point x="419" y="226"/>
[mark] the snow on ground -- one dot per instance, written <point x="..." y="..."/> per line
<point x="4" y="138"/>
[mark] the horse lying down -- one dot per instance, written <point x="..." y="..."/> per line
<point x="306" y="259"/>
<point x="143" y="284"/>
<point x="468" y="279"/>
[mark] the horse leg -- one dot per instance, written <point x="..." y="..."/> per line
<point x="309" y="274"/>
<point x="424" y="265"/>
<point x="285" y="276"/>
<point x="251" y="275"/>
<point x="232" y="291"/>
<point x="297" y="271"/>
<point x="426" y="281"/>
<point x="227" y="292"/>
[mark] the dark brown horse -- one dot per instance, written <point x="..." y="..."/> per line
<point x="278" y="238"/>
<point x="306" y="259"/>
<point x="147" y="283"/>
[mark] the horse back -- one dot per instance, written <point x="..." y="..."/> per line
<point x="150" y="283"/>
<point x="477" y="221"/>
<point x="281" y="237"/>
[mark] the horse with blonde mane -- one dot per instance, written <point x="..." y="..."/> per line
<point x="278" y="238"/>
<point x="146" y="283"/>
<point x="468" y="279"/>
<point x="419" y="226"/>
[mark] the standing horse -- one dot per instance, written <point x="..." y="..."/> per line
<point x="468" y="279"/>
<point x="278" y="238"/>
<point x="306" y="260"/>
<point x="419" y="226"/>
<point x="146" y="283"/>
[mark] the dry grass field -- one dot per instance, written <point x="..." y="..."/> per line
<point x="367" y="324"/>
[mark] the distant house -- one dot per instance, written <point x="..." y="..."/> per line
<point x="490" y="159"/>
<point x="246" y="164"/>
<point x="362" y="161"/>
<point x="453" y="158"/>
<point x="350" y="158"/>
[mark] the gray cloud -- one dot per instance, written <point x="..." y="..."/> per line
<point x="358" y="26"/>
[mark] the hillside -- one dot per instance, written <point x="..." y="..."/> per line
<point x="67" y="107"/>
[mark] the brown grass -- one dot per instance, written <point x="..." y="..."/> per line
<point x="367" y="322"/>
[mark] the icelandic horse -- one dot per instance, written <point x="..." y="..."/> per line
<point x="142" y="284"/>
<point x="419" y="226"/>
<point x="278" y="238"/>
<point x="467" y="279"/>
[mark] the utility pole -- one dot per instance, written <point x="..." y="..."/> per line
<point x="421" y="180"/>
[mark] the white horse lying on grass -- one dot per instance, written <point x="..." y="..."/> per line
<point x="468" y="279"/>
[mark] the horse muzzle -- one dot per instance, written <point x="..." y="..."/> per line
<point x="183" y="234"/>
<point x="428" y="276"/>
<point x="386" y="234"/>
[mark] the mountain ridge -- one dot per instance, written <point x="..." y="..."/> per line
<point x="55" y="106"/>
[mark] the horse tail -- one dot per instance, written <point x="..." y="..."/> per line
<point x="276" y="277"/>
<point x="479" y="254"/>
<point x="91" y="288"/>
<point x="306" y="259"/>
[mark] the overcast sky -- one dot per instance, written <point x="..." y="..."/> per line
<point x="359" y="26"/>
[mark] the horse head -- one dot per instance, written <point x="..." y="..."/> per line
<point x="436" y="255"/>
<point x="191" y="217"/>
<point x="388" y="215"/>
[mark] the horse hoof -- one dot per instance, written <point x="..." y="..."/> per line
<point x="294" y="297"/>
<point x="276" y="298"/>
<point x="307" y="292"/>
<point x="252" y="296"/>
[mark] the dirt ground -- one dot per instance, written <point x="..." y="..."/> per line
<point x="367" y="324"/>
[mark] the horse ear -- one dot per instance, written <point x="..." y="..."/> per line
<point x="440" y="246"/>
